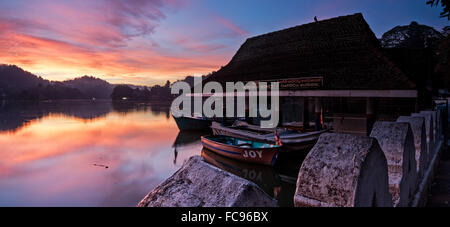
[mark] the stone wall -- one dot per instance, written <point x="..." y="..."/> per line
<point x="343" y="170"/>
<point x="339" y="165"/>
<point x="199" y="184"/>
<point x="420" y="141"/>
<point x="397" y="142"/>
<point x="434" y="152"/>
<point x="429" y="133"/>
<point x="435" y="123"/>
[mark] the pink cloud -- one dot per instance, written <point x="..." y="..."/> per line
<point x="232" y="26"/>
<point x="192" y="44"/>
<point x="100" y="38"/>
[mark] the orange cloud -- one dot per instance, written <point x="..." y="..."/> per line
<point x="108" y="39"/>
<point x="40" y="54"/>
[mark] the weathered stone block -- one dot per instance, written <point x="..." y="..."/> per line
<point x="435" y="124"/>
<point x="417" y="125"/>
<point x="343" y="170"/>
<point x="429" y="132"/>
<point x="199" y="184"/>
<point x="397" y="142"/>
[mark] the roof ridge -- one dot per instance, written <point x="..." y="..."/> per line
<point x="307" y="24"/>
<point x="344" y="48"/>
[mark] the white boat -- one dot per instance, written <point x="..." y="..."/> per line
<point x="291" y="139"/>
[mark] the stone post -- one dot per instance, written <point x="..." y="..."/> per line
<point x="397" y="142"/>
<point x="199" y="184"/>
<point x="435" y="124"/>
<point x="343" y="170"/>
<point x="417" y="125"/>
<point x="429" y="132"/>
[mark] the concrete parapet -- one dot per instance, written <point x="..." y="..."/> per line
<point x="435" y="124"/>
<point x="429" y="132"/>
<point x="420" y="141"/>
<point x="421" y="196"/>
<point x="199" y="184"/>
<point x="397" y="142"/>
<point x="343" y="170"/>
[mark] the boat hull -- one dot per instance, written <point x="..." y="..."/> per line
<point x="289" y="143"/>
<point x="263" y="156"/>
<point x="188" y="123"/>
<point x="262" y="175"/>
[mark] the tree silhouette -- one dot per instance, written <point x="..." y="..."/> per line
<point x="444" y="3"/>
<point x="167" y="85"/>
<point x="124" y="91"/>
<point x="413" y="35"/>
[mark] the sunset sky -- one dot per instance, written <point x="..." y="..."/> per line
<point x="150" y="41"/>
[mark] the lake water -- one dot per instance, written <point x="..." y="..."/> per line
<point x="100" y="153"/>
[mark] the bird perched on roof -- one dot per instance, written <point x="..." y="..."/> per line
<point x="315" y="19"/>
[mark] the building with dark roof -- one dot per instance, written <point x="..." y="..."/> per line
<point x="343" y="51"/>
<point x="337" y="64"/>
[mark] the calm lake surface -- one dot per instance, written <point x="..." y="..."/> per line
<point x="103" y="153"/>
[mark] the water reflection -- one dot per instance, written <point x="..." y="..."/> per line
<point x="103" y="153"/>
<point x="264" y="176"/>
<point x="14" y="115"/>
<point x="54" y="154"/>
<point x="269" y="179"/>
<point x="157" y="109"/>
<point x="187" y="139"/>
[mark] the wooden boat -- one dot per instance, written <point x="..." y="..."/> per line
<point x="193" y="123"/>
<point x="291" y="139"/>
<point x="243" y="150"/>
<point x="264" y="176"/>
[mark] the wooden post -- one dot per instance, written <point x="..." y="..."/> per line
<point x="305" y="115"/>
<point x="247" y="109"/>
<point x="280" y="115"/>
<point x="370" y="116"/>
<point x="317" y="114"/>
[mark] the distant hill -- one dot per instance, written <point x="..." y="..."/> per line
<point x="155" y="93"/>
<point x="121" y="92"/>
<point x="14" y="80"/>
<point x="414" y="36"/>
<point x="16" y="83"/>
<point x="190" y="79"/>
<point x="91" y="87"/>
